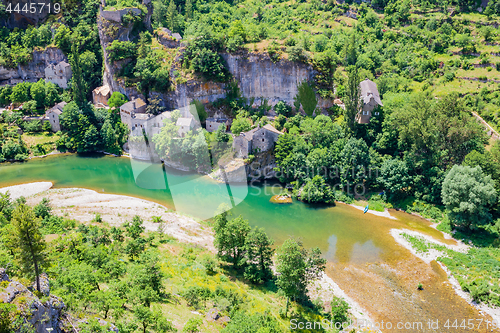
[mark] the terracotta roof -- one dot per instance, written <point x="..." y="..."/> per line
<point x="103" y="90"/>
<point x="369" y="90"/>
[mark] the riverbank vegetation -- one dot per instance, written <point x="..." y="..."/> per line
<point x="147" y="281"/>
<point x="476" y="270"/>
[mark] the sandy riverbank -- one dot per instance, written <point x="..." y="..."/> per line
<point x="434" y="254"/>
<point x="374" y="212"/>
<point x="83" y="205"/>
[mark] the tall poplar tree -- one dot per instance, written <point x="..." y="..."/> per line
<point x="30" y="245"/>
<point x="78" y="86"/>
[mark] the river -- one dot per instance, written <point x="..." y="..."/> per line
<point x="363" y="258"/>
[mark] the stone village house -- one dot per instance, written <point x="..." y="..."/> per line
<point x="53" y="116"/>
<point x="133" y="114"/>
<point x="100" y="96"/>
<point x="58" y="74"/>
<point x="257" y="140"/>
<point x="370" y="99"/>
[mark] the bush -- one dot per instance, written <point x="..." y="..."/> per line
<point x="296" y="53"/>
<point x="340" y="310"/>
<point x="192" y="325"/>
<point x="211" y="65"/>
<point x="274" y="51"/>
<point x="282" y="108"/>
<point x="119" y="50"/>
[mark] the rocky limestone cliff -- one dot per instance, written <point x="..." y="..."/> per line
<point x="258" y="76"/>
<point x="35" y="69"/>
<point x="111" y="27"/>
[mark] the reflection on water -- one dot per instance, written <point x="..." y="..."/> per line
<point x="345" y="252"/>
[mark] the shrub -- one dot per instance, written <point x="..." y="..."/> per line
<point x="296" y="53"/>
<point x="192" y="325"/>
<point x="119" y="50"/>
<point x="211" y="65"/>
<point x="340" y="310"/>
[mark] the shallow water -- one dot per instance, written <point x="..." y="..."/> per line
<point x="363" y="257"/>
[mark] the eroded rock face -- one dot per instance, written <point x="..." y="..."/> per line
<point x="257" y="76"/>
<point x="35" y="69"/>
<point x="41" y="314"/>
<point x="3" y="275"/>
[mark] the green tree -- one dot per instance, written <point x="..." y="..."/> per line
<point x="282" y="108"/>
<point x="259" y="255"/>
<point x="135" y="228"/>
<point x="240" y="124"/>
<point x="91" y="139"/>
<point x="467" y="193"/>
<point x="354" y="162"/>
<point x="117" y="99"/>
<point x="188" y="9"/>
<point x="38" y="92"/>
<point x="43" y="209"/>
<point x="30" y="244"/>
<point x="172" y="16"/>
<point x="78" y="86"/>
<point x="154" y="107"/>
<point x="316" y="190"/>
<point x="394" y="176"/>
<point x="21" y="92"/>
<point x="352" y="98"/>
<point x="51" y="94"/>
<point x="307" y="98"/>
<point x="486" y="161"/>
<point x="296" y="268"/>
<point x="230" y="238"/>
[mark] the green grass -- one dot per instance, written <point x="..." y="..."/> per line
<point x="477" y="271"/>
<point x="46" y="139"/>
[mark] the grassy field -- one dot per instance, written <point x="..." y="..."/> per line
<point x="46" y="139"/>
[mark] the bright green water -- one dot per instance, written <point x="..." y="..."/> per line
<point x="339" y="231"/>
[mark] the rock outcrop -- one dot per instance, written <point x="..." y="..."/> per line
<point x="42" y="315"/>
<point x="45" y="314"/>
<point x="35" y="69"/>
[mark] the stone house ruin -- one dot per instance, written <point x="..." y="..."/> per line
<point x="370" y="100"/>
<point x="100" y="95"/>
<point x="257" y="140"/>
<point x="59" y="74"/>
<point x="53" y="116"/>
<point x="213" y="124"/>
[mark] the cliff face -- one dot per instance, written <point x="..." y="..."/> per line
<point x="112" y="28"/>
<point x="35" y="69"/>
<point x="257" y="75"/>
